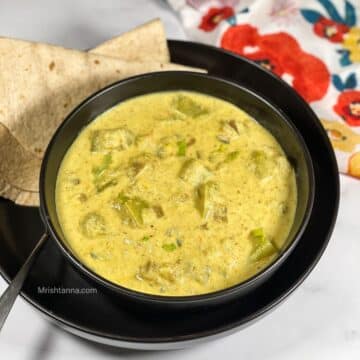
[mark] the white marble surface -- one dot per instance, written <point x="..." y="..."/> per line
<point x="321" y="320"/>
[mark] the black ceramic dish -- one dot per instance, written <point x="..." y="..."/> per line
<point x="260" y="109"/>
<point x="105" y="318"/>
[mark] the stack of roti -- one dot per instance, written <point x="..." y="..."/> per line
<point x="41" y="84"/>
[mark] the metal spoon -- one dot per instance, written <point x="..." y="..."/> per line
<point x="8" y="298"/>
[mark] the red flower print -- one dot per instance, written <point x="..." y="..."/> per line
<point x="282" y="54"/>
<point x="331" y="30"/>
<point x="214" y="16"/>
<point x="348" y="107"/>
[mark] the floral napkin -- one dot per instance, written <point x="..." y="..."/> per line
<point x="314" y="45"/>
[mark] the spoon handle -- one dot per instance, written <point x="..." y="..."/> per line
<point x="8" y="298"/>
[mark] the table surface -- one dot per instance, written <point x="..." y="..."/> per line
<point x="320" y="320"/>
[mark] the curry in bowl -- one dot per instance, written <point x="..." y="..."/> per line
<point x="176" y="193"/>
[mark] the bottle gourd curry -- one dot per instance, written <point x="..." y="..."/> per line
<point x="175" y="193"/>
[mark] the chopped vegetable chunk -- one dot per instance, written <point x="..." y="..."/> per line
<point x="232" y="156"/>
<point x="103" y="176"/>
<point x="194" y="172"/>
<point x="92" y="225"/>
<point x="140" y="163"/>
<point x="209" y="202"/>
<point x="185" y="105"/>
<point x="230" y="131"/>
<point x="106" y="162"/>
<point x="181" y="148"/>
<point x="169" y="247"/>
<point x="157" y="274"/>
<point x="131" y="209"/>
<point x="206" y="196"/>
<point x="111" y="139"/>
<point x="262" y="164"/>
<point x="263" y="247"/>
<point x="168" y="146"/>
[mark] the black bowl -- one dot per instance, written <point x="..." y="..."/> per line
<point x="259" y="108"/>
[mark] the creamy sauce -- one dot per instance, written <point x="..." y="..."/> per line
<point x="175" y="193"/>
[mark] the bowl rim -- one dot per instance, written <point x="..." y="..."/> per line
<point x="166" y="299"/>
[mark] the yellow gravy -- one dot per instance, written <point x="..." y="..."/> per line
<point x="175" y="193"/>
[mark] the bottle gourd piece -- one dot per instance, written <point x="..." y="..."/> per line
<point x="263" y="247"/>
<point x="111" y="139"/>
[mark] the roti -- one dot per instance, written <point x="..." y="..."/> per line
<point x="146" y="42"/>
<point x="46" y="81"/>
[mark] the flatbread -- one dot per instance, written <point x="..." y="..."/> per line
<point x="144" y="43"/>
<point x="19" y="169"/>
<point x="40" y="84"/>
<point x="57" y="76"/>
<point x="19" y="196"/>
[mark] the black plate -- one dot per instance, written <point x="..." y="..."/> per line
<point x="106" y="318"/>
